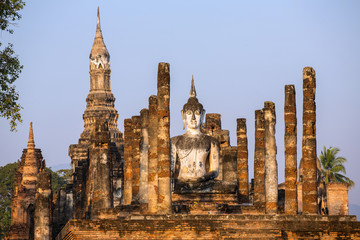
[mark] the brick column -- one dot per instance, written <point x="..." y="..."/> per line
<point x="128" y="159"/>
<point x="259" y="159"/>
<point x="163" y="141"/>
<point x="144" y="158"/>
<point x="213" y="123"/>
<point x="271" y="174"/>
<point x="290" y="141"/>
<point x="99" y="183"/>
<point x="242" y="161"/>
<point x="213" y="128"/>
<point x="80" y="190"/>
<point x="135" y="164"/>
<point x="309" y="143"/>
<point x="153" y="162"/>
<point x="43" y="202"/>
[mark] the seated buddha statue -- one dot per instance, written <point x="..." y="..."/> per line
<point x="195" y="156"/>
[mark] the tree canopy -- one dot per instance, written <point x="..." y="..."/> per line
<point x="6" y="187"/>
<point x="332" y="166"/>
<point x="10" y="67"/>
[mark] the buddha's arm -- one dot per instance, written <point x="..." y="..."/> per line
<point x="173" y="156"/>
<point x="214" y="159"/>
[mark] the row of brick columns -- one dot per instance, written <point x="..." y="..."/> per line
<point x="265" y="164"/>
<point x="147" y="152"/>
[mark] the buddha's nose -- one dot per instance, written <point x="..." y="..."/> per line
<point x="193" y="116"/>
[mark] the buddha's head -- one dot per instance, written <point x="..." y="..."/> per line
<point x="193" y="112"/>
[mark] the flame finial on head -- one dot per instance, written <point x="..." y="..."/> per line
<point x="192" y="89"/>
<point x="193" y="102"/>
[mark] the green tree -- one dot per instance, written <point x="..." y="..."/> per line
<point x="65" y="174"/>
<point x="332" y="166"/>
<point x="6" y="187"/>
<point x="10" y="67"/>
<point x="58" y="180"/>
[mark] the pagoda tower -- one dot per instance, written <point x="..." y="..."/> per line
<point x="25" y="184"/>
<point x="100" y="107"/>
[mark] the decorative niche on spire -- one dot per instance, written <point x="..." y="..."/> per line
<point x="99" y="55"/>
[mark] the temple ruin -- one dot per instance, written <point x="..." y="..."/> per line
<point x="149" y="185"/>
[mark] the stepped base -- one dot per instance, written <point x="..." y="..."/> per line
<point x="224" y="226"/>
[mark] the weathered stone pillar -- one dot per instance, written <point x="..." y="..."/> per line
<point x="213" y="123"/>
<point x="153" y="162"/>
<point x="80" y="189"/>
<point x="242" y="161"/>
<point x="99" y="192"/>
<point x="259" y="159"/>
<point x="213" y="128"/>
<point x="163" y="141"/>
<point x="309" y="143"/>
<point x="271" y="172"/>
<point x="136" y="128"/>
<point x="42" y="218"/>
<point x="128" y="160"/>
<point x="144" y="158"/>
<point x="290" y="141"/>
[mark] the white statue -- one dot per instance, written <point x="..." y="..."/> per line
<point x="195" y="156"/>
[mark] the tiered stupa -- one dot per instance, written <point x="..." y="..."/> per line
<point x="26" y="180"/>
<point x="100" y="106"/>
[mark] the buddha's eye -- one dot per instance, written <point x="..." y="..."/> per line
<point x="197" y="112"/>
<point x="188" y="112"/>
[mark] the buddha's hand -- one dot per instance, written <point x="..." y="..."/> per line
<point x="208" y="176"/>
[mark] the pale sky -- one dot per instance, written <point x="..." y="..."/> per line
<point x="241" y="54"/>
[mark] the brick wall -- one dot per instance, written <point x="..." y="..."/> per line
<point x="337" y="198"/>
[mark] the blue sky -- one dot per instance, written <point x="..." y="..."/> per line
<point x="240" y="53"/>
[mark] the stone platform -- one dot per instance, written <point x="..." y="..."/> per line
<point x="204" y="204"/>
<point x="214" y="227"/>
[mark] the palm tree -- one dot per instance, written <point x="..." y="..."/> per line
<point x="332" y="166"/>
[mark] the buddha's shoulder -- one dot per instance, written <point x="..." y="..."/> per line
<point x="175" y="139"/>
<point x="178" y="139"/>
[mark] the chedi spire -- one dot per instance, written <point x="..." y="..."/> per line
<point x="31" y="142"/>
<point x="99" y="55"/>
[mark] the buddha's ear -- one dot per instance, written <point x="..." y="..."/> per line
<point x="202" y="116"/>
<point x="183" y="118"/>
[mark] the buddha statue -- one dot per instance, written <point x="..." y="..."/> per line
<point x="195" y="156"/>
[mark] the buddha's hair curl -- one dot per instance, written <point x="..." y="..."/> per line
<point x="193" y="105"/>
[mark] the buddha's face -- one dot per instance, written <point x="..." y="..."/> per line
<point x="193" y="118"/>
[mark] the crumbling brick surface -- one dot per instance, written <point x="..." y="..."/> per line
<point x="309" y="187"/>
<point x="337" y="198"/>
<point x="242" y="161"/>
<point x="290" y="141"/>
<point x="271" y="168"/>
<point x="163" y="138"/>
<point x="259" y="159"/>
<point x="215" y="227"/>
<point x="153" y="162"/>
